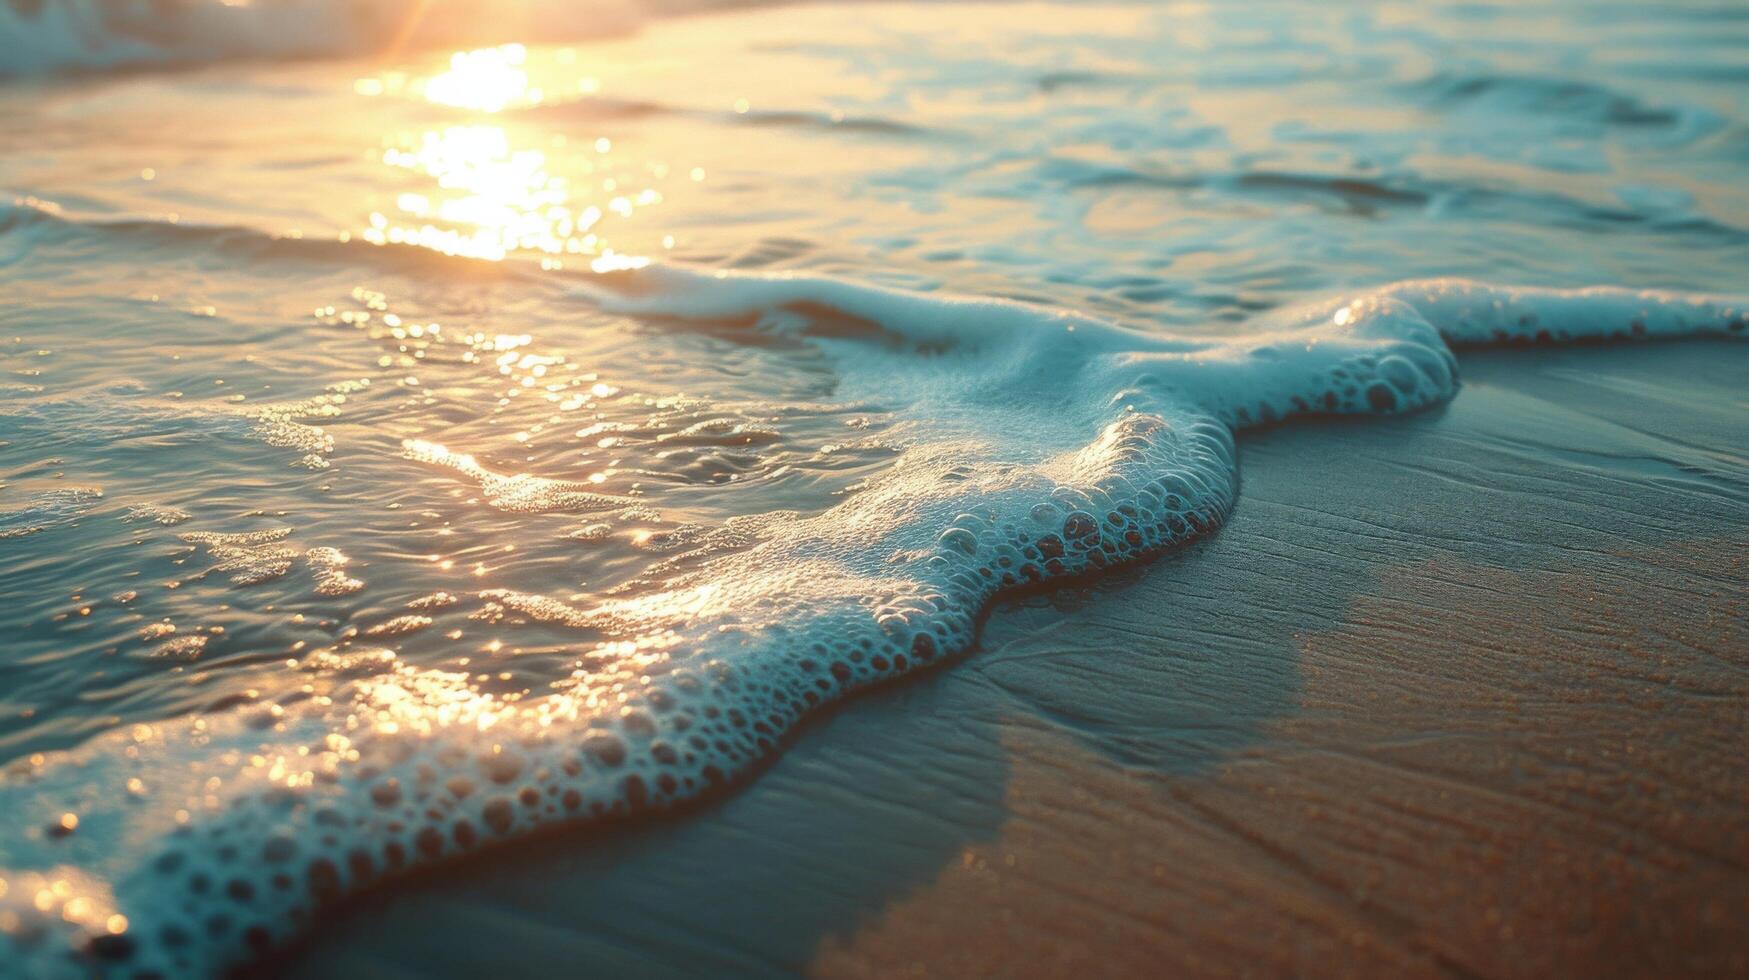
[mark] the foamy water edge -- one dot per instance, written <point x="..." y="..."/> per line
<point x="1040" y="444"/>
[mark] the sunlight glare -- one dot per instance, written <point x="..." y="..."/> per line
<point x="484" y="80"/>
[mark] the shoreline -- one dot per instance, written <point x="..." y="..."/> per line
<point x="992" y="812"/>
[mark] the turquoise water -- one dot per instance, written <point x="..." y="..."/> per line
<point x="359" y="440"/>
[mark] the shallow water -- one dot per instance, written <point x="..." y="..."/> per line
<point x="359" y="440"/>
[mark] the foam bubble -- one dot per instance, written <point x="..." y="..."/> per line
<point x="186" y="647"/>
<point x="250" y="557"/>
<point x="399" y="625"/>
<point x="157" y="514"/>
<point x="521" y="493"/>
<point x="48" y="509"/>
<point x="328" y="568"/>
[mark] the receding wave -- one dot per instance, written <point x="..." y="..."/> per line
<point x="1367" y="195"/>
<point x="36" y="222"/>
<point x="600" y="108"/>
<point x="1038" y="444"/>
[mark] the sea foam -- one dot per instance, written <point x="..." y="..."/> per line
<point x="1038" y="444"/>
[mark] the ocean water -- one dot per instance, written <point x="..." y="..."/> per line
<point x="423" y="427"/>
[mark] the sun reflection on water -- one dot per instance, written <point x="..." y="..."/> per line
<point x="490" y="198"/>
<point x="493" y="194"/>
<point x="485" y="80"/>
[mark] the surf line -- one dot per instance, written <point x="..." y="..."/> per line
<point x="1037" y="444"/>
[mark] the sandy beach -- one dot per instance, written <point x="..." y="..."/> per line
<point x="674" y="488"/>
<point x="1459" y="695"/>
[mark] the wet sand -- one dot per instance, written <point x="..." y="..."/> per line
<point x="1465" y="693"/>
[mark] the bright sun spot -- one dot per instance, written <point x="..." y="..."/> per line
<point x="484" y="193"/>
<point x="485" y="80"/>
